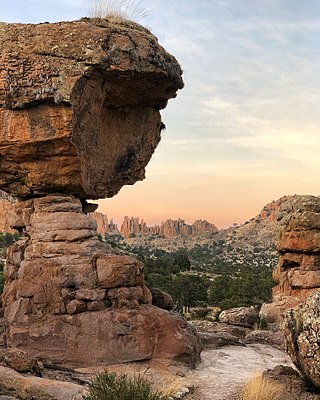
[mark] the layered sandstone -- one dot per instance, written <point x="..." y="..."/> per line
<point x="103" y="224"/>
<point x="79" y="106"/>
<point x="168" y="229"/>
<point x="298" y="271"/>
<point x="71" y="299"/>
<point x="79" y="118"/>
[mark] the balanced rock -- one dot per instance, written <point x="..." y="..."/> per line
<point x="79" y="106"/>
<point x="298" y="271"/>
<point x="301" y="329"/>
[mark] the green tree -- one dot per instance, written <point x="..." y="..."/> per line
<point x="188" y="291"/>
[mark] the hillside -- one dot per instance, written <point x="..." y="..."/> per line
<point x="249" y="245"/>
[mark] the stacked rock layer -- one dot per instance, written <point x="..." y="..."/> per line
<point x="298" y="271"/>
<point x="70" y="299"/>
<point x="79" y="118"/>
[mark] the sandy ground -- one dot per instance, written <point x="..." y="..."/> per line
<point x="223" y="372"/>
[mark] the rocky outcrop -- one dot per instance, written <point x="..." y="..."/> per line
<point x="302" y="331"/>
<point x="168" y="229"/>
<point x="6" y="211"/>
<point x="71" y="299"/>
<point x="79" y="111"/>
<point x="79" y="118"/>
<point x="243" y="316"/>
<point x="298" y="271"/>
<point x="103" y="224"/>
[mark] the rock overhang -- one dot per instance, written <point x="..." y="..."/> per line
<point x="79" y="106"/>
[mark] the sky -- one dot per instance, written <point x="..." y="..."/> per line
<point x="245" y="129"/>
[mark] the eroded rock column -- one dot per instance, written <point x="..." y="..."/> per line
<point x="298" y="271"/>
<point x="74" y="301"/>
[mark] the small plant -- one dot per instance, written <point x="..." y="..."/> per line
<point x="260" y="388"/>
<point x="117" y="9"/>
<point x="109" y="386"/>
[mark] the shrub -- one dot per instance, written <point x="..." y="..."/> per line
<point x="119" y="9"/>
<point x="260" y="388"/>
<point x="109" y="386"/>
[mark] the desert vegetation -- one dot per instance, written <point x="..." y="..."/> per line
<point x="260" y="388"/>
<point x="109" y="386"/>
<point x="117" y="9"/>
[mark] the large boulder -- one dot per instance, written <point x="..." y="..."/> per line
<point x="79" y="111"/>
<point x="301" y="329"/>
<point x="243" y="316"/>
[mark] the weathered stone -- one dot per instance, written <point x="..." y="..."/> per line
<point x="90" y="294"/>
<point x="19" y="360"/>
<point x="298" y="271"/>
<point x="243" y="316"/>
<point x="30" y="387"/>
<point x="3" y="339"/>
<point x="118" y="270"/>
<point x="96" y="305"/>
<point x="161" y="299"/>
<point x="301" y="329"/>
<point x="65" y="107"/>
<point x="55" y="308"/>
<point x="79" y="118"/>
<point x="274" y="339"/>
<point x="217" y="340"/>
<point x="294" y="386"/>
<point x="76" y="307"/>
<point x="128" y="297"/>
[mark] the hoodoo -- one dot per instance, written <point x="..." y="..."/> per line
<point x="79" y="118"/>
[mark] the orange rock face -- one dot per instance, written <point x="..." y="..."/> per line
<point x="298" y="271"/>
<point x="79" y="118"/>
<point x="79" y="111"/>
<point x="71" y="299"/>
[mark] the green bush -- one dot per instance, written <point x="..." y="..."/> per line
<point x="109" y="386"/>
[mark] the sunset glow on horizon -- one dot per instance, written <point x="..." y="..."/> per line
<point x="245" y="129"/>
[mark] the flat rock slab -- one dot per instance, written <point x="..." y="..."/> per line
<point x="223" y="372"/>
<point x="36" y="388"/>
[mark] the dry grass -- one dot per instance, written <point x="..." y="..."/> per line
<point x="260" y="388"/>
<point x="118" y="9"/>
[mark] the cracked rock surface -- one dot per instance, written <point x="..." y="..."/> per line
<point x="79" y="106"/>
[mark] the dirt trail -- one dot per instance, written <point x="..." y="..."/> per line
<point x="222" y="372"/>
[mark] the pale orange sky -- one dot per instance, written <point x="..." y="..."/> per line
<point x="245" y="129"/>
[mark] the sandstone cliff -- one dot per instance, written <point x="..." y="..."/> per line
<point x="167" y="229"/>
<point x="103" y="224"/>
<point x="79" y="118"/>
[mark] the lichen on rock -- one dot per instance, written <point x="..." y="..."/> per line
<point x="79" y="111"/>
<point x="79" y="118"/>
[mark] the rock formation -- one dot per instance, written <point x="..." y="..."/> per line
<point x="79" y="118"/>
<point x="79" y="110"/>
<point x="103" y="224"/>
<point x="301" y="329"/>
<point x="298" y="271"/>
<point x="168" y="229"/>
<point x="6" y="211"/>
